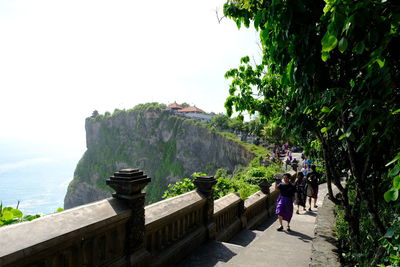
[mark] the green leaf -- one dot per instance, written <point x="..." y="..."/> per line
<point x="289" y="71"/>
<point x="325" y="110"/>
<point x="323" y="130"/>
<point x="342" y="45"/>
<point x="238" y="22"/>
<point x="342" y="136"/>
<point x="325" y="56"/>
<point x="391" y="195"/>
<point x="245" y="60"/>
<point x="396" y="112"/>
<point x="359" y="47"/>
<point x="257" y="19"/>
<point x="329" y="42"/>
<point x="395" y="170"/>
<point x="380" y="62"/>
<point x="17" y="213"/>
<point x="394" y="160"/>
<point x="396" y="182"/>
<point x="390" y="232"/>
<point x="7" y="215"/>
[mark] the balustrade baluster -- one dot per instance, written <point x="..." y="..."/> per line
<point x="153" y="242"/>
<point x="174" y="231"/>
<point x="169" y="234"/>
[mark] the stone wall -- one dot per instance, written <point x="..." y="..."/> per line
<point x="120" y="231"/>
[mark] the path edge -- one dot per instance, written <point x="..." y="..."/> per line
<point x="324" y="245"/>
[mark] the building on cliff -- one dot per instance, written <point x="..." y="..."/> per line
<point x="174" y="107"/>
<point x="190" y="112"/>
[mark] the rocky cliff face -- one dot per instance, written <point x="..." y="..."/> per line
<point x="166" y="147"/>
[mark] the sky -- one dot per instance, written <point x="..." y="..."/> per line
<point x="61" y="60"/>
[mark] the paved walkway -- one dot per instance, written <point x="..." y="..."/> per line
<point x="274" y="248"/>
<point x="264" y="246"/>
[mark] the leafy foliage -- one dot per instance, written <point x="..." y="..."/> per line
<point x="330" y="72"/>
<point x="244" y="181"/>
<point x="393" y="193"/>
<point x="9" y="215"/>
<point x="222" y="187"/>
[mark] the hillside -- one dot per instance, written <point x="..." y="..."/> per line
<point x="165" y="146"/>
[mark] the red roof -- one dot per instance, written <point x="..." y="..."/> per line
<point x="174" y="106"/>
<point x="191" y="109"/>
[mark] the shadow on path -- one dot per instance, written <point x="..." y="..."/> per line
<point x="307" y="213"/>
<point x="301" y="236"/>
<point x="245" y="237"/>
<point x="209" y="254"/>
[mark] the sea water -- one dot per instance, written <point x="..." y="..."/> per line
<point x="35" y="175"/>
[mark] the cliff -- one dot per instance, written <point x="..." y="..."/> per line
<point x="165" y="146"/>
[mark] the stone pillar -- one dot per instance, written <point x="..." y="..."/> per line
<point x="264" y="186"/>
<point x="205" y="185"/>
<point x="242" y="213"/>
<point x="128" y="185"/>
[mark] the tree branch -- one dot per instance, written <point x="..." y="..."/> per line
<point x="218" y="18"/>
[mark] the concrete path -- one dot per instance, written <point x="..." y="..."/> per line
<point x="274" y="248"/>
<point x="264" y="246"/>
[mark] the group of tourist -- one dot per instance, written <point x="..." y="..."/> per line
<point x="305" y="185"/>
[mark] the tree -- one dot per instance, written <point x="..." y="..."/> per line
<point x="329" y="73"/>
<point x="254" y="126"/>
<point x="220" y="121"/>
<point x="185" y="105"/>
<point x="236" y="124"/>
<point x="95" y="113"/>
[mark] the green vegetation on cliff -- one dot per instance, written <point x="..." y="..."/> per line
<point x="166" y="147"/>
<point x="243" y="181"/>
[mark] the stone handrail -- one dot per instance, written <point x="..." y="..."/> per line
<point x="228" y="211"/>
<point x="120" y="231"/>
<point x="174" y="225"/>
<point x="89" y="235"/>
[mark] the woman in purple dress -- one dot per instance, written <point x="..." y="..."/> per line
<point x="284" y="205"/>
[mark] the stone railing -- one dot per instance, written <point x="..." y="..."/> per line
<point x="228" y="216"/>
<point x="120" y="231"/>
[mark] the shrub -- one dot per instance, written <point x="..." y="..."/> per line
<point x="9" y="215"/>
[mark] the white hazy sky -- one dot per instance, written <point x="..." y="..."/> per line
<point x="60" y="60"/>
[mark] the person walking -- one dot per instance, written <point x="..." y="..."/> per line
<point x="284" y="206"/>
<point x="313" y="181"/>
<point x="300" y="195"/>
<point x="305" y="170"/>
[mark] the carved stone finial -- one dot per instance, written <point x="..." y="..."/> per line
<point x="204" y="184"/>
<point x="127" y="183"/>
<point x="264" y="186"/>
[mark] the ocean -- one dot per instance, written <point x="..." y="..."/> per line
<point x="36" y="175"/>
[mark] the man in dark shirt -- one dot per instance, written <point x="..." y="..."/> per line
<point x="313" y="180"/>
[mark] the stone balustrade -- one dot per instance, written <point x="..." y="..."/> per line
<point x="120" y="231"/>
<point x="227" y="215"/>
<point x="89" y="235"/>
<point x="174" y="227"/>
